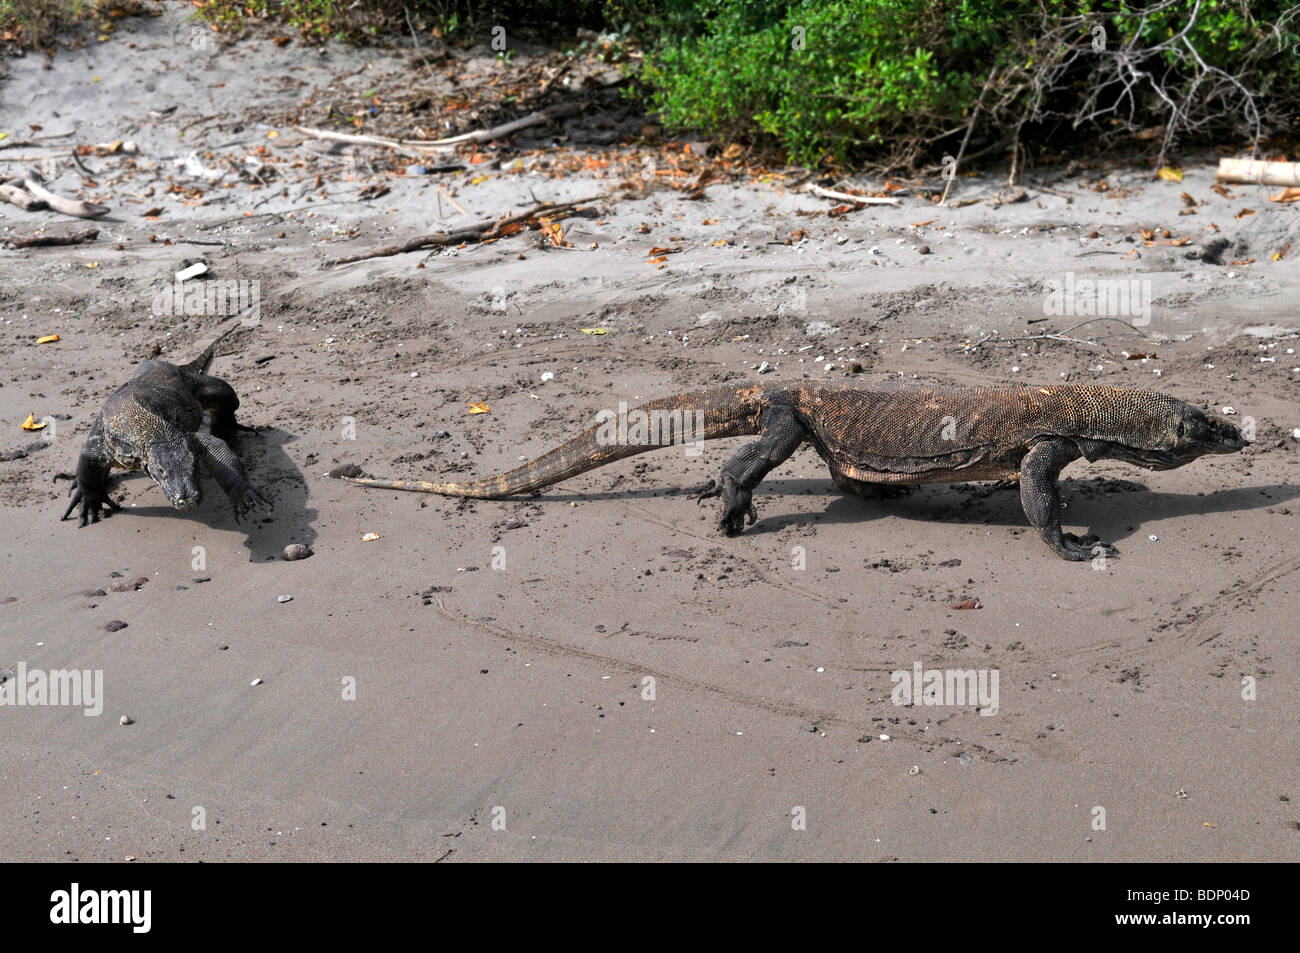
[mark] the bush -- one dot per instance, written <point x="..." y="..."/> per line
<point x="846" y="78"/>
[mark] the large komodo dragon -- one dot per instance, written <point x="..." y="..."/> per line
<point x="892" y="434"/>
<point x="151" y="423"/>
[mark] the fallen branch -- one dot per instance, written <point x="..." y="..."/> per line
<point x="74" y="207"/>
<point x="532" y="119"/>
<point x="1262" y="173"/>
<point x="1061" y="337"/>
<point x="846" y="197"/>
<point x="38" y="241"/>
<point x="22" y="198"/>
<point x="471" y="233"/>
<point x="426" y="145"/>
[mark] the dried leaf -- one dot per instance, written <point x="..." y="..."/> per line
<point x="1289" y="194"/>
<point x="31" y="424"/>
<point x="480" y="408"/>
<point x="47" y="339"/>
<point x="1244" y="212"/>
<point x="1170" y="175"/>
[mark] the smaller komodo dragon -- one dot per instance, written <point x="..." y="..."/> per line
<point x="151" y="423"/>
<point x="894" y="434"/>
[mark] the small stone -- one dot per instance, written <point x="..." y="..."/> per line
<point x="255" y="682"/>
<point x="296" y="551"/>
<point x="914" y="769"/>
<point x="765" y="368"/>
<point x="284" y="598"/>
<point x="884" y="737"/>
<point x="125" y="720"/>
<point x="923" y="250"/>
<point x="117" y="625"/>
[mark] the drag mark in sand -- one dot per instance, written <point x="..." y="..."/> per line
<point x="552" y="647"/>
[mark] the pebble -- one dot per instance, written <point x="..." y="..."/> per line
<point x="765" y="368"/>
<point x="884" y="737"/>
<point x="296" y="551"/>
<point x="923" y="250"/>
<point x="117" y="625"/>
<point x="255" y="682"/>
<point x="285" y="598"/>
<point x="125" y="720"/>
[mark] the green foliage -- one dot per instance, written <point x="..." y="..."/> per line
<point x="877" y="72"/>
<point x="37" y="22"/>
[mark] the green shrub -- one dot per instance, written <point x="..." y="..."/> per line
<point x="843" y="78"/>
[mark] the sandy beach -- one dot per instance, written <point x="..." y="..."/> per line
<point x="595" y="673"/>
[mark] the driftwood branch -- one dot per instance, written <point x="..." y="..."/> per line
<point x="1262" y="173"/>
<point x="21" y="197"/>
<point x="37" y="241"/>
<point x="414" y="147"/>
<point x="846" y="197"/>
<point x="74" y="207"/>
<point x="471" y="233"/>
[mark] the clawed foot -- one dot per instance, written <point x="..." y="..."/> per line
<point x="246" y="498"/>
<point x="737" y="504"/>
<point x="92" y="500"/>
<point x="1080" y="548"/>
<point x="227" y="430"/>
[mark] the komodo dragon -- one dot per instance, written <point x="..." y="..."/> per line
<point x="151" y="423"/>
<point x="892" y="434"/>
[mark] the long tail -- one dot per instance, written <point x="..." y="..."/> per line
<point x="682" y="419"/>
<point x="201" y="363"/>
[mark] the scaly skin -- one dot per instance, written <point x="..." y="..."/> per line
<point x="881" y="435"/>
<point x="152" y="423"/>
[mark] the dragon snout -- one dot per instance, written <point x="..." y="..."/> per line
<point x="1227" y="438"/>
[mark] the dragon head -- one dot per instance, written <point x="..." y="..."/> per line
<point x="171" y="464"/>
<point x="1185" y="433"/>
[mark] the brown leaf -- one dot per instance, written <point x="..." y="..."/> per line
<point x="1289" y="194"/>
<point x="968" y="604"/>
<point x="1244" y="212"/>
